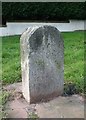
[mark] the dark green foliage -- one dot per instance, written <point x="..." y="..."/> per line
<point x="43" y="11"/>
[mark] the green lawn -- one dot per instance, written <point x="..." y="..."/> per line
<point x="73" y="58"/>
<point x="11" y="70"/>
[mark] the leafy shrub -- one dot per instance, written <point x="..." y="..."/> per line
<point x="51" y="11"/>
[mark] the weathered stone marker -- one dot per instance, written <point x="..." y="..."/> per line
<point x="42" y="60"/>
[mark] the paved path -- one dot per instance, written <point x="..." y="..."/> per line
<point x="60" y="107"/>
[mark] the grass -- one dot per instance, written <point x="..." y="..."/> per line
<point x="3" y="99"/>
<point x="33" y="116"/>
<point x="73" y="59"/>
<point x="11" y="70"/>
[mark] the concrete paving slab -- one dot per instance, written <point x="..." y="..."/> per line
<point x="59" y="107"/>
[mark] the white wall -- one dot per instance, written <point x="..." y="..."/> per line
<point x="18" y="28"/>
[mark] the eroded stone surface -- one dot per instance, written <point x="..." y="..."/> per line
<point x="42" y="63"/>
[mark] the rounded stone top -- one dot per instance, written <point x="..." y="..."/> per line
<point x="38" y="35"/>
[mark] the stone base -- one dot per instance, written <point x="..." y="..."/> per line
<point x="44" y="98"/>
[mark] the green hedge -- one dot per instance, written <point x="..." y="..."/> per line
<point x="43" y="11"/>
